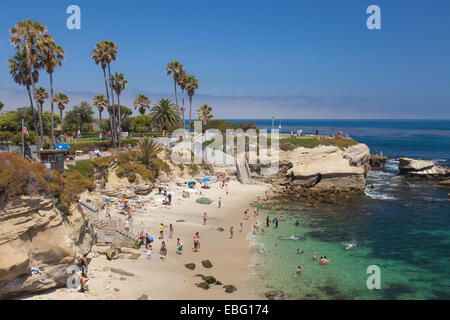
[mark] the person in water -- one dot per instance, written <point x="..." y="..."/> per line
<point x="315" y="256"/>
<point x="297" y="223"/>
<point x="299" y="270"/>
<point x="299" y="251"/>
<point x="281" y="217"/>
<point x="267" y="221"/>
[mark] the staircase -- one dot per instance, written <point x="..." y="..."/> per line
<point x="243" y="171"/>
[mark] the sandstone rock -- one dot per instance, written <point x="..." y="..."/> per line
<point x="287" y="146"/>
<point x="443" y="184"/>
<point x="422" y="168"/>
<point x="143" y="297"/>
<point x="207" y="264"/>
<point x="122" y="272"/>
<point x="377" y="162"/>
<point x="142" y="190"/>
<point x="112" y="253"/>
<point x="33" y="233"/>
<point x="209" y="279"/>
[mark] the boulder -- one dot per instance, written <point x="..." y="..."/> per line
<point x="274" y="295"/>
<point x="229" y="288"/>
<point x="422" y="168"/>
<point x="112" y="253"/>
<point x="142" y="190"/>
<point x="207" y="264"/>
<point x="210" y="279"/>
<point x="287" y="146"/>
<point x="377" y="162"/>
<point x="203" y="285"/>
<point x="143" y="297"/>
<point x="190" y="266"/>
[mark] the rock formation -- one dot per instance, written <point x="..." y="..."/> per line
<point x="421" y="168"/>
<point x="34" y="234"/>
<point x="377" y="162"/>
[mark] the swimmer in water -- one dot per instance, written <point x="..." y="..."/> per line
<point x="297" y="223"/>
<point x="349" y="247"/>
<point x="299" y="251"/>
<point x="299" y="270"/>
<point x="315" y="256"/>
<point x="281" y="217"/>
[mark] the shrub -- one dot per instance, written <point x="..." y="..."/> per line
<point x="74" y="184"/>
<point x="130" y="170"/>
<point x="85" y="167"/>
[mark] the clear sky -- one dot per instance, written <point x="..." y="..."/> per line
<point x="254" y="59"/>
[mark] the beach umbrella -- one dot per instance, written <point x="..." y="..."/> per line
<point x="107" y="200"/>
<point x="125" y="200"/>
<point x="206" y="180"/>
<point x="62" y="146"/>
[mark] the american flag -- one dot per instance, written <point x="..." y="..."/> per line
<point x="25" y="131"/>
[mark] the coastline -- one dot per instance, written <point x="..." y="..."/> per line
<point x="170" y="279"/>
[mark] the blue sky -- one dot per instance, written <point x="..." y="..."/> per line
<point x="254" y="59"/>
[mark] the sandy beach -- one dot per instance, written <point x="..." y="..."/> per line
<point x="170" y="279"/>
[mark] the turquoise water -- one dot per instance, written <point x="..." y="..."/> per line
<point x="401" y="227"/>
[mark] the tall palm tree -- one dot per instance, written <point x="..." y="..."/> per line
<point x="119" y="83"/>
<point x="52" y="56"/>
<point x="61" y="100"/>
<point x="191" y="86"/>
<point x="2" y="105"/>
<point x="164" y="114"/>
<point x="205" y="114"/>
<point x="40" y="95"/>
<point x="100" y="103"/>
<point x="18" y="69"/>
<point x="173" y="70"/>
<point x="103" y="54"/>
<point x="143" y="102"/>
<point x="24" y="37"/>
<point x="182" y="81"/>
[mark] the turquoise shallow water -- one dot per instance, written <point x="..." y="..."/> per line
<point x="402" y="228"/>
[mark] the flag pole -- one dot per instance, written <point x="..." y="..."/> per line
<point x="23" y="141"/>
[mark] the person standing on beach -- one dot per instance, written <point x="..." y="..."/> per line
<point x="179" y="246"/>
<point x="255" y="227"/>
<point x="220" y="202"/>
<point x="127" y="225"/>
<point x="196" y="242"/>
<point x="267" y="221"/>
<point x="149" y="251"/>
<point x="276" y="223"/>
<point x="84" y="265"/>
<point x="161" y="231"/>
<point x="231" y="232"/>
<point x="241" y="227"/>
<point x="205" y="217"/>
<point x="171" y="231"/>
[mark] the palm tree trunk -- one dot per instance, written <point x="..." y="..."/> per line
<point x="34" y="113"/>
<point x="109" y="109"/>
<point x="52" y="116"/>
<point x="190" y="111"/>
<point x="61" y="117"/>
<point x="39" y="107"/>
<point x="184" y="119"/>
<point x="114" y="129"/>
<point x="176" y="99"/>
<point x="120" y="132"/>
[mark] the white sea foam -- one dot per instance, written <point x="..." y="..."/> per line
<point x="378" y="195"/>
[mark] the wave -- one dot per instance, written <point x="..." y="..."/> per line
<point x="378" y="195"/>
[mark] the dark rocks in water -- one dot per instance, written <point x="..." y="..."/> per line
<point x="421" y="168"/>
<point x="219" y="283"/>
<point x="329" y="290"/>
<point x="210" y="279"/>
<point x="229" y="288"/>
<point x="190" y="266"/>
<point x="207" y="264"/>
<point x="443" y="184"/>
<point x="377" y="162"/>
<point x="274" y="295"/>
<point x="143" y="297"/>
<point x="220" y="229"/>
<point x="203" y="285"/>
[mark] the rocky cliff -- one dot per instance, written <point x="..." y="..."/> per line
<point x="421" y="168"/>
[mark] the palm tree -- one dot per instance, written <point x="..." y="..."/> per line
<point x="119" y="83"/>
<point x="61" y="100"/>
<point x="40" y="95"/>
<point x="24" y="37"/>
<point x="18" y="69"/>
<point x="143" y="102"/>
<point x="103" y="54"/>
<point x="148" y="150"/>
<point x="191" y="86"/>
<point x="100" y="103"/>
<point x="1" y="106"/>
<point x="182" y="81"/>
<point x="164" y="114"/>
<point x="173" y="69"/>
<point x="52" y="56"/>
<point x="205" y="114"/>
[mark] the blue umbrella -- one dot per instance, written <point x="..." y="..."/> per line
<point x="62" y="146"/>
<point x="206" y="180"/>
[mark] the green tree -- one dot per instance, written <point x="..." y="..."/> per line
<point x="40" y="95"/>
<point x="100" y="103"/>
<point x="204" y="113"/>
<point x="24" y="37"/>
<point x="191" y="87"/>
<point x="61" y="100"/>
<point x="51" y="56"/>
<point x="2" y="105"/>
<point x="9" y="122"/>
<point x="173" y="70"/>
<point x="80" y="115"/>
<point x="142" y="102"/>
<point x="119" y="83"/>
<point x="164" y="115"/>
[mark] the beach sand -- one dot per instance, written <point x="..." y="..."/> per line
<point x="170" y="279"/>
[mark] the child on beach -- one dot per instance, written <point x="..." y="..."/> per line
<point x="231" y="232"/>
<point x="161" y="231"/>
<point x="240" y="230"/>
<point x="179" y="247"/>
<point x="205" y="217"/>
<point x="149" y="251"/>
<point x="196" y="242"/>
<point x="171" y="231"/>
<point x="220" y="202"/>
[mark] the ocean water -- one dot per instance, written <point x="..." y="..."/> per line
<point x="401" y="225"/>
